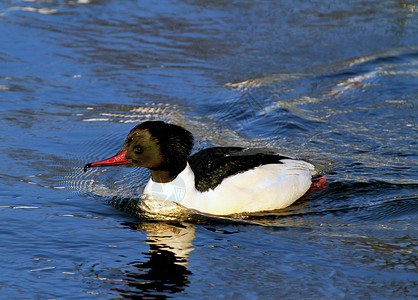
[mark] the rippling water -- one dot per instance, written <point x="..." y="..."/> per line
<point x="335" y="83"/>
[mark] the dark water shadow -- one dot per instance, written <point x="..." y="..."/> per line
<point x="164" y="272"/>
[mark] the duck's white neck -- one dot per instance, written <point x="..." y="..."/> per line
<point x="180" y="190"/>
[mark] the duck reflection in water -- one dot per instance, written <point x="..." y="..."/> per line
<point x="166" y="269"/>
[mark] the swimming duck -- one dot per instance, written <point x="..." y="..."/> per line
<point x="216" y="181"/>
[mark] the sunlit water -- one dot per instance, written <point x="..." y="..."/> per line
<point x="335" y="83"/>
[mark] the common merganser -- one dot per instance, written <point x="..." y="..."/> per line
<point x="216" y="181"/>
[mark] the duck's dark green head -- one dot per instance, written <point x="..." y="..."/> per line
<point x="155" y="145"/>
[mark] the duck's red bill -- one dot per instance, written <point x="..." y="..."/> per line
<point x="117" y="160"/>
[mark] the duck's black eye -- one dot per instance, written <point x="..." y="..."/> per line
<point x="130" y="139"/>
<point x="138" y="150"/>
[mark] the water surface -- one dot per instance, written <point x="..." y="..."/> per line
<point x="331" y="82"/>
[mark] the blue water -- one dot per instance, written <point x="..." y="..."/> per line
<point x="332" y="82"/>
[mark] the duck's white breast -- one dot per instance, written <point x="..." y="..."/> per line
<point x="181" y="190"/>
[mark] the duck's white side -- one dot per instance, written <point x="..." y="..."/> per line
<point x="266" y="187"/>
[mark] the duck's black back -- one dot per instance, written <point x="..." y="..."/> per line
<point x="213" y="165"/>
